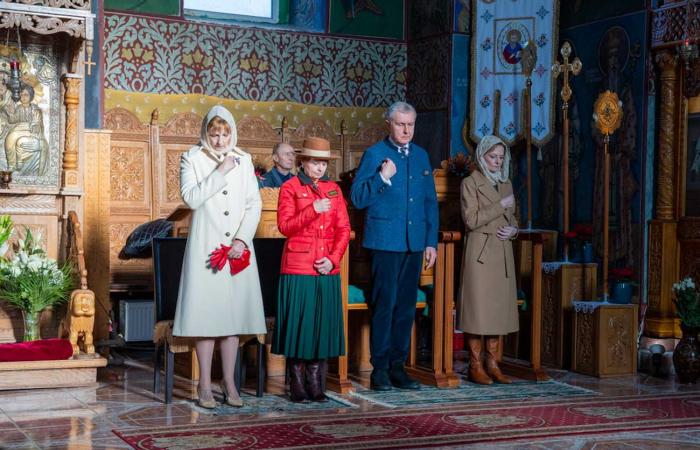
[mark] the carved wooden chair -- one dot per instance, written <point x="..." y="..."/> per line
<point x="168" y="254"/>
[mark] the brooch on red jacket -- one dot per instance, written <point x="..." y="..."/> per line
<point x="332" y="193"/>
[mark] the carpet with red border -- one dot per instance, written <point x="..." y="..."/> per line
<point x="447" y="425"/>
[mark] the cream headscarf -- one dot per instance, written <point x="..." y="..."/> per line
<point x="224" y="113"/>
<point x="486" y="144"/>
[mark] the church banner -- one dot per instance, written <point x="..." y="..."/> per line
<point x="501" y="30"/>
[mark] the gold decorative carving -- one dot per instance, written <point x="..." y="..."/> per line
<point x="585" y="358"/>
<point x="127" y="173"/>
<point x="118" y="232"/>
<point x="96" y="224"/>
<point x="71" y="100"/>
<point x="120" y="119"/>
<point x="255" y="126"/>
<point x="549" y="318"/>
<point x="184" y="124"/>
<point x="29" y="204"/>
<point x="314" y="127"/>
<point x="655" y="252"/>
<point x="172" y="175"/>
<point x="80" y="321"/>
<point x="667" y="63"/>
<point x="618" y="345"/>
<point x="44" y="25"/>
<point x="370" y="134"/>
<point x="68" y="4"/>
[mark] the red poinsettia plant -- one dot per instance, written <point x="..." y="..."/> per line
<point x="622" y="275"/>
<point x="580" y="232"/>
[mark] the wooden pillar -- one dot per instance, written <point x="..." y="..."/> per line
<point x="661" y="319"/>
<point x="667" y="63"/>
<point x="71" y="99"/>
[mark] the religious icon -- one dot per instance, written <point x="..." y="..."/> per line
<point x="26" y="147"/>
<point x="29" y="120"/>
<point x="512" y="51"/>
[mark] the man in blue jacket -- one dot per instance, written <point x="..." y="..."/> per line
<point x="394" y="183"/>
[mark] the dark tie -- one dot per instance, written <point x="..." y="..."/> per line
<point x="403" y="150"/>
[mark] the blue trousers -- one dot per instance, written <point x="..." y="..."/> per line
<point x="395" y="278"/>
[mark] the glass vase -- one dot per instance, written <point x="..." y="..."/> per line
<point x="32" y="326"/>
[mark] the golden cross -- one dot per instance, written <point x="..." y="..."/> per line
<point x="565" y="68"/>
<point x="88" y="57"/>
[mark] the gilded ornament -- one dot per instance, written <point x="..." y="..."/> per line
<point x="608" y="112"/>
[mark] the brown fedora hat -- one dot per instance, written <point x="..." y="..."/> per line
<point x="317" y="148"/>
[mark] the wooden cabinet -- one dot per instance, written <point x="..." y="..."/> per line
<point x="605" y="339"/>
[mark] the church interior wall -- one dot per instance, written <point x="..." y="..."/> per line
<point x="175" y="57"/>
<point x="615" y="61"/>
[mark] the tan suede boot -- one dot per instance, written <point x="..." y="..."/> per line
<point x="492" y="361"/>
<point x="476" y="368"/>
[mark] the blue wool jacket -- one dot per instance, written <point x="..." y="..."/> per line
<point x="402" y="216"/>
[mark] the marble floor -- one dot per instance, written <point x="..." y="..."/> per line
<point x="83" y="418"/>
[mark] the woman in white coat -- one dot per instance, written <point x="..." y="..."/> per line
<point x="217" y="180"/>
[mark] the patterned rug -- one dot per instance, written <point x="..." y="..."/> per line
<point x="472" y="393"/>
<point x="447" y="425"/>
<point x="273" y="403"/>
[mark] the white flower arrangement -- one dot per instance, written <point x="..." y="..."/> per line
<point x="31" y="281"/>
<point x="687" y="302"/>
<point x="685" y="283"/>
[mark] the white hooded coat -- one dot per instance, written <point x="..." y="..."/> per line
<point x="225" y="207"/>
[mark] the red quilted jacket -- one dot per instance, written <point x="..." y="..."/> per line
<point x="310" y="235"/>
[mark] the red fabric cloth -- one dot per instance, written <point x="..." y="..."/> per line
<point x="41" y="350"/>
<point x="310" y="235"/>
<point x="219" y="257"/>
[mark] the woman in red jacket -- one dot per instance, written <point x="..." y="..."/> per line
<point x="313" y="215"/>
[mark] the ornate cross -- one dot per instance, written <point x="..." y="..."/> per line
<point x="565" y="68"/>
<point x="88" y="57"/>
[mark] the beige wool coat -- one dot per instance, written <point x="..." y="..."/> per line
<point x="488" y="296"/>
<point x="225" y="207"/>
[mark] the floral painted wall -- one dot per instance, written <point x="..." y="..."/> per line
<point x="147" y="54"/>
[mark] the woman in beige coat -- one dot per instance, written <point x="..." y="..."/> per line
<point x="218" y="182"/>
<point x="488" y="299"/>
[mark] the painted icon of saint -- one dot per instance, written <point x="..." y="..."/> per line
<point x="512" y="51"/>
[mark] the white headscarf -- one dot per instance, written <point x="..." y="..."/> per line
<point x="486" y="144"/>
<point x="219" y="111"/>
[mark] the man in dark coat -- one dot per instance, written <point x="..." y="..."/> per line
<point x="394" y="183"/>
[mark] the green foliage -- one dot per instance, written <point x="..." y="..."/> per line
<point x="687" y="302"/>
<point x="5" y="229"/>
<point x="31" y="281"/>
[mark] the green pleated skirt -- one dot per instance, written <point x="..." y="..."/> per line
<point x="309" y="322"/>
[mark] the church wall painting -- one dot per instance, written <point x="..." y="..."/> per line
<point x="692" y="176"/>
<point x="577" y="12"/>
<point x="30" y="116"/>
<point x="428" y="18"/>
<point x="178" y="57"/>
<point x="460" y="94"/>
<point x="612" y="57"/>
<point x="368" y="18"/>
<point x="462" y="11"/>
<point x="429" y="73"/>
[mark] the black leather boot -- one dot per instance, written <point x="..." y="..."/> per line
<point x="379" y="380"/>
<point x="313" y="381"/>
<point x="297" y="392"/>
<point x="400" y="379"/>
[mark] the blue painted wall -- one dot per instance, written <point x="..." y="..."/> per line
<point x="586" y="40"/>
<point x="460" y="92"/>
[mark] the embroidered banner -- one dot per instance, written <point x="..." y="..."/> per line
<point x="501" y="29"/>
